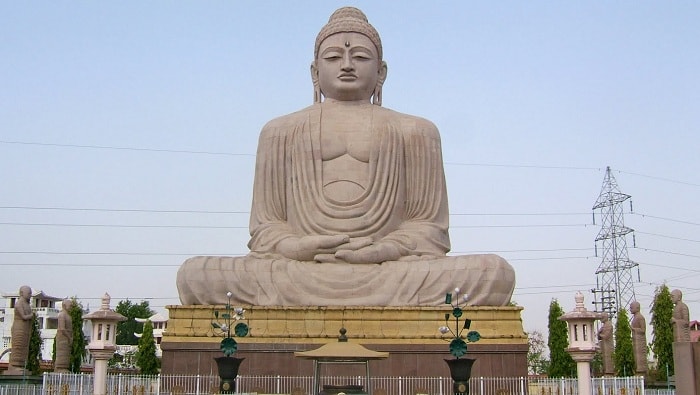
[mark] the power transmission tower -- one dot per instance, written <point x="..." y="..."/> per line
<point x="614" y="286"/>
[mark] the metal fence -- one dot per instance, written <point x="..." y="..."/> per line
<point x="599" y="386"/>
<point x="81" y="384"/>
<point x="21" y="389"/>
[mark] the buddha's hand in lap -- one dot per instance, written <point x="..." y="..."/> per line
<point x="375" y="253"/>
<point x="305" y="248"/>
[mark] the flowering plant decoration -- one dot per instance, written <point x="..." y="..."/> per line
<point x="458" y="345"/>
<point x="228" y="318"/>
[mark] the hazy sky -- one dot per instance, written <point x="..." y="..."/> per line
<point x="128" y="132"/>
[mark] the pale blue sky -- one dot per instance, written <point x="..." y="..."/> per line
<point x="533" y="101"/>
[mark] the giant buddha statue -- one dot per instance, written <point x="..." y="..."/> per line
<point x="349" y="200"/>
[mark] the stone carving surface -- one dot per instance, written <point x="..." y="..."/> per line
<point x="639" y="339"/>
<point x="21" y="332"/>
<point x="605" y="337"/>
<point x="349" y="200"/>
<point x="64" y="338"/>
<point x="681" y="318"/>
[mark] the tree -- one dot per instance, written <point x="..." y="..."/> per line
<point x="126" y="329"/>
<point x="146" y="358"/>
<point x="35" y="343"/>
<point x="560" y="362"/>
<point x="662" y="342"/>
<point x="77" y="353"/>
<point x="624" y="353"/>
<point x="537" y="361"/>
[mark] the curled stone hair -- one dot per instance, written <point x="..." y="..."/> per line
<point x="348" y="20"/>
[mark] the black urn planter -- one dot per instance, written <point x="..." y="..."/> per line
<point x="460" y="371"/>
<point x="228" y="371"/>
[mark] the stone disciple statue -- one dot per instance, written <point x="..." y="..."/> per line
<point x="681" y="318"/>
<point x="605" y="337"/>
<point x="21" y="332"/>
<point x="639" y="339"/>
<point x="349" y="200"/>
<point x="64" y="338"/>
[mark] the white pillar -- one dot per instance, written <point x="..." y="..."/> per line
<point x="100" y="371"/>
<point x="583" y="368"/>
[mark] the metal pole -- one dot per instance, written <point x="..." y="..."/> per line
<point x="369" y="391"/>
<point x="316" y="378"/>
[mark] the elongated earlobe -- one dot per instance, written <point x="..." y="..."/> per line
<point x="377" y="94"/>
<point x="314" y="80"/>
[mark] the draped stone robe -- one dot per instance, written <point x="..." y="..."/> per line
<point x="404" y="203"/>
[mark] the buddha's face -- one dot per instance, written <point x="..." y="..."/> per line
<point x="348" y="67"/>
<point x="675" y="296"/>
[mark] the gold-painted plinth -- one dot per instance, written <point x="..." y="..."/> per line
<point x="409" y="334"/>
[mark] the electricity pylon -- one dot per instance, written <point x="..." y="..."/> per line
<point x="614" y="286"/>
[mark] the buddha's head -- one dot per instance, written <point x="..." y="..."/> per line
<point x="676" y="295"/>
<point x="25" y="292"/>
<point x="348" y="63"/>
<point x="634" y="307"/>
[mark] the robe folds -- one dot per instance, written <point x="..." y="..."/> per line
<point x="403" y="203"/>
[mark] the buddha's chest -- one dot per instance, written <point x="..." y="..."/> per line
<point x="357" y="143"/>
<point x="347" y="132"/>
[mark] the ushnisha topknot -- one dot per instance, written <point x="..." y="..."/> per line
<point x="352" y="20"/>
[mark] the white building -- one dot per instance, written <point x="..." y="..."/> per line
<point x="46" y="309"/>
<point x="160" y="324"/>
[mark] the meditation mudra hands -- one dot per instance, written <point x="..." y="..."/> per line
<point x="338" y="248"/>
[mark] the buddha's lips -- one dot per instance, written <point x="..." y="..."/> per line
<point x="347" y="77"/>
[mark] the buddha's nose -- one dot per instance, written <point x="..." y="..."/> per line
<point x="347" y="64"/>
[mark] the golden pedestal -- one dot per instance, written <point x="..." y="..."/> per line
<point x="409" y="334"/>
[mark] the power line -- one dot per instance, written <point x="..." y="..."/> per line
<point x="670" y="267"/>
<point x="109" y="147"/>
<point x="668" y="237"/>
<point x="56" y="208"/>
<point x="246" y="227"/>
<point x="529" y="250"/>
<point x="220" y="153"/>
<point x="514" y="214"/>
<point x="659" y="178"/>
<point x="90" y="264"/>
<point x="97" y="253"/>
<point x="121" y="226"/>
<point x="667" y="252"/>
<point x="523" y="166"/>
<point x="667" y="219"/>
<point x="209" y="254"/>
<point x="117" y="210"/>
<point x="518" y="226"/>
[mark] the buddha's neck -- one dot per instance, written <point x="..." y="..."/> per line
<point x="334" y="102"/>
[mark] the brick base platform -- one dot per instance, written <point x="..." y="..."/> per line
<point x="409" y="335"/>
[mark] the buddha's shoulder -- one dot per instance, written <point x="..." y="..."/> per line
<point x="286" y="121"/>
<point x="407" y="122"/>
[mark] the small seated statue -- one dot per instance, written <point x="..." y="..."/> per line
<point x="349" y="200"/>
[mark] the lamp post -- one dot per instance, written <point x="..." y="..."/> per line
<point x="228" y="365"/>
<point x="582" y="345"/>
<point x="103" y="341"/>
<point x="460" y="368"/>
